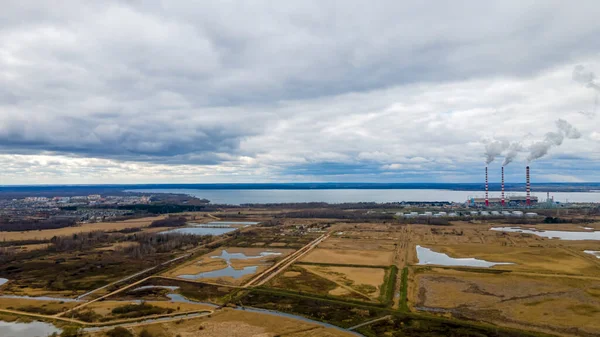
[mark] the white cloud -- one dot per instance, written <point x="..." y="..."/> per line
<point x="194" y="92"/>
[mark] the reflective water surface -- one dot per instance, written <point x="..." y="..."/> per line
<point x="32" y="329"/>
<point x="563" y="235"/>
<point x="427" y="256"/>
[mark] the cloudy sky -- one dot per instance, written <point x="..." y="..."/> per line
<point x="282" y="91"/>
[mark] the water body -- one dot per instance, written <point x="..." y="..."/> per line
<point x="32" y="329"/>
<point x="596" y="253"/>
<point x="172" y="288"/>
<point x="335" y="196"/>
<point x="563" y="235"/>
<point x="181" y="299"/>
<point x="200" y="231"/>
<point x="241" y="256"/>
<point x="3" y="281"/>
<point x="229" y="271"/>
<point x="427" y="256"/>
<point x="41" y="298"/>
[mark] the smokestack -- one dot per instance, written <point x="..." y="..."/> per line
<point x="528" y="187"/>
<point x="502" y="186"/>
<point x="487" y="201"/>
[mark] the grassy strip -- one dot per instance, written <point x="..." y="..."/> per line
<point x="332" y="299"/>
<point x="340" y="265"/>
<point x="389" y="284"/>
<point x="404" y="290"/>
<point x="402" y="323"/>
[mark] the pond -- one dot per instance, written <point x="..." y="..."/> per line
<point x="241" y="256"/>
<point x="563" y="235"/>
<point x="32" y="329"/>
<point x="201" y="230"/>
<point x="229" y="271"/>
<point x="172" y="288"/>
<point x="427" y="256"/>
<point x="596" y="253"/>
<point x="3" y="281"/>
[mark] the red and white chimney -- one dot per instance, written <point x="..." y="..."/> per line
<point x="502" y="186"/>
<point x="487" y="200"/>
<point x="528" y="187"/>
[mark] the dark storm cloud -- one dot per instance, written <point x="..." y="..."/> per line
<point x="212" y="82"/>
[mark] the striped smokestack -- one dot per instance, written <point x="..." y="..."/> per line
<point x="502" y="186"/>
<point x="487" y="200"/>
<point x="528" y="187"/>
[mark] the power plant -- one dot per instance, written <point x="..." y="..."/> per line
<point x="526" y="200"/>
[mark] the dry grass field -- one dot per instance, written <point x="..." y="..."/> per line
<point x="104" y="308"/>
<point x="350" y="256"/>
<point x="367" y="244"/>
<point x="83" y="228"/>
<point x="366" y="281"/>
<point x="233" y="323"/>
<point x="30" y="305"/>
<point x="568" y="306"/>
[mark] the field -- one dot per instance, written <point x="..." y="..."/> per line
<point x="350" y="257"/>
<point x="547" y="303"/>
<point x="83" y="228"/>
<point x="351" y="274"/>
<point x="235" y="323"/>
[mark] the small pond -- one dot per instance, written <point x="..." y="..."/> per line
<point x="241" y="256"/>
<point x="201" y="230"/>
<point x="32" y="329"/>
<point x="596" y="253"/>
<point x="172" y="288"/>
<point x="228" y="271"/>
<point x="563" y="235"/>
<point x="427" y="256"/>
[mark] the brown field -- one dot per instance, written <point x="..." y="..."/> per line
<point x="355" y="257"/>
<point x="347" y="243"/>
<point x="22" y="304"/>
<point x="366" y="281"/>
<point x="233" y="323"/>
<point x="104" y="307"/>
<point x="83" y="228"/>
<point x="566" y="306"/>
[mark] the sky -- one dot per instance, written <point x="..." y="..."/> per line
<point x="96" y="92"/>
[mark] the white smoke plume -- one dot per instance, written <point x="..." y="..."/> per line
<point x="493" y="149"/>
<point x="512" y="152"/>
<point x="565" y="130"/>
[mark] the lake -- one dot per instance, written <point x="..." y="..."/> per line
<point x="336" y="196"/>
